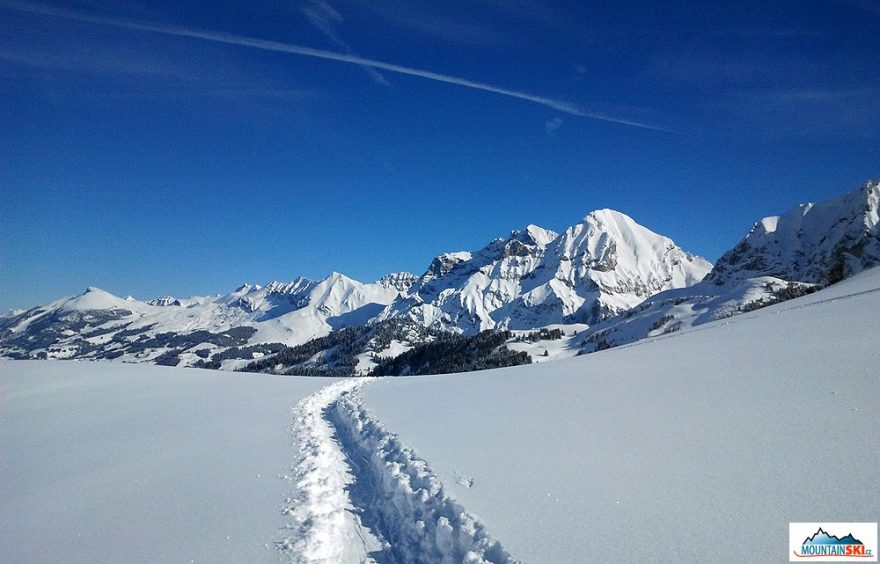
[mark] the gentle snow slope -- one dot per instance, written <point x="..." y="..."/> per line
<point x="696" y="446"/>
<point x="108" y="462"/>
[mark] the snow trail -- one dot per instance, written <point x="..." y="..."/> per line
<point x="325" y="526"/>
<point x="405" y="500"/>
<point x="361" y="496"/>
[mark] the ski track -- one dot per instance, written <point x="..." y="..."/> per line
<point x="361" y="496"/>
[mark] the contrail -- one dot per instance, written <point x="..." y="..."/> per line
<point x="231" y="39"/>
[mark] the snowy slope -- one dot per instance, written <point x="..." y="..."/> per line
<point x="672" y="449"/>
<point x="105" y="462"/>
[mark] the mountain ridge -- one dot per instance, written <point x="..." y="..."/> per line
<point x="603" y="282"/>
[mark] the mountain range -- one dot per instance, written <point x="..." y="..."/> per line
<point x="602" y="282"/>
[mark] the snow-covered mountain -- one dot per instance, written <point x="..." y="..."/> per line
<point x="781" y="257"/>
<point x="813" y="243"/>
<point x="603" y="282"/>
<point x="97" y="324"/>
<point x="594" y="270"/>
<point x="770" y="407"/>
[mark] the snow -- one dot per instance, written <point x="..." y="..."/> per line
<point x="601" y="266"/>
<point x="95" y="298"/>
<point x="111" y="462"/>
<point x="402" y="498"/>
<point x="541" y="237"/>
<point x="805" y="243"/>
<point x="325" y="525"/>
<point x="673" y="449"/>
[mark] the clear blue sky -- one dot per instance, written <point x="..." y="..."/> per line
<point x="160" y="148"/>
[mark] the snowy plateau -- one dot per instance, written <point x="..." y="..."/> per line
<point x="716" y="405"/>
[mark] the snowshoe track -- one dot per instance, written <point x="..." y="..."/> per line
<point x="361" y="496"/>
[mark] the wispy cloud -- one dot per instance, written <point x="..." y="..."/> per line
<point x="232" y="39"/>
<point x="551" y="125"/>
<point x="85" y="62"/>
<point x="325" y="19"/>
<point x="530" y="10"/>
<point x="432" y="20"/>
<point x="807" y="112"/>
<point x="871" y="6"/>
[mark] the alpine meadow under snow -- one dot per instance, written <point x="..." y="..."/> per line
<point x="672" y="449"/>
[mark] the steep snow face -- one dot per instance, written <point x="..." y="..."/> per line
<point x="338" y="295"/>
<point x="813" y="243"/>
<point x="540" y="236"/>
<point x="615" y="263"/>
<point x="314" y="309"/>
<point x="272" y="300"/>
<point x="535" y="277"/>
<point x="460" y="290"/>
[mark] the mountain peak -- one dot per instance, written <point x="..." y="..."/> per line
<point x="338" y="277"/>
<point x="534" y="235"/>
<point x="246" y="287"/>
<point x="811" y="243"/>
<point x="606" y="216"/>
<point x="95" y="298"/>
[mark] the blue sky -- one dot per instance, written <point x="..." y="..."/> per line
<point x="165" y="148"/>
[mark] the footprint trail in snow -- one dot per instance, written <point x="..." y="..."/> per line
<point x="361" y="496"/>
<point x="325" y="526"/>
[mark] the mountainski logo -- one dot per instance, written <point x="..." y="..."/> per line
<point x="832" y="542"/>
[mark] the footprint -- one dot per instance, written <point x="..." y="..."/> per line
<point x="464" y="480"/>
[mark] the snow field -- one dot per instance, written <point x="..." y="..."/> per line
<point x="113" y="462"/>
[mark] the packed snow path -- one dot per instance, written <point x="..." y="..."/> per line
<point x="360" y="496"/>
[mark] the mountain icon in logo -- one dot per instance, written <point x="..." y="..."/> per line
<point x="822" y="537"/>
